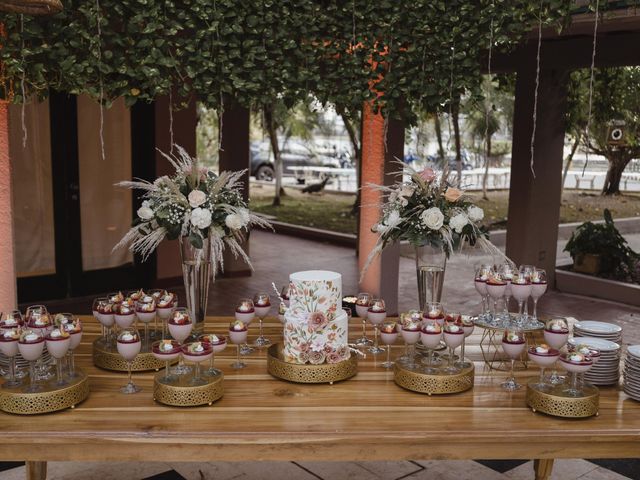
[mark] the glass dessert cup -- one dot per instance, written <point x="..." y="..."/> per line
<point x="124" y="316"/>
<point x="431" y="336"/>
<point x="575" y="363"/>
<point x="538" y="288"/>
<point x="11" y="320"/>
<point x="468" y="326"/>
<point x="521" y="290"/>
<point x="196" y="353"/>
<point x="103" y="313"/>
<point x="129" y="346"/>
<point x="37" y="318"/>
<point x="556" y="335"/>
<point x="262" y="304"/>
<point x="31" y="346"/>
<point x="245" y="312"/>
<point x="146" y="313"/>
<point x="513" y="344"/>
<point x="58" y="343"/>
<point x="496" y="288"/>
<point x="388" y="336"/>
<point x="180" y="327"/>
<point x="413" y="320"/>
<point x="376" y="314"/>
<point x="75" y="331"/>
<point x="506" y="271"/>
<point x="410" y="335"/>
<point x="166" y="351"/>
<point x="9" y="347"/>
<point x="480" y="283"/>
<point x="453" y="338"/>
<point x="362" y="309"/>
<point x="218" y="344"/>
<point x="238" y="335"/>
<point x="544" y="357"/>
<point x="165" y="306"/>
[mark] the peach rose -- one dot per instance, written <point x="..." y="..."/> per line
<point x="428" y="175"/>
<point x="334" y="357"/>
<point x="452" y="194"/>
<point x="317" y="321"/>
<point x="316" y="358"/>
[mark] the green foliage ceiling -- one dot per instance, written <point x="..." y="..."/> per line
<point x="425" y="52"/>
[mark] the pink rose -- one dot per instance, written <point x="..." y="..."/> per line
<point x="428" y="175"/>
<point x="317" y="321"/>
<point x="331" y="337"/>
<point x="305" y="347"/>
<point x="344" y="352"/>
<point x="303" y="357"/>
<point x="316" y="358"/>
<point x="328" y="349"/>
<point x="334" y="357"/>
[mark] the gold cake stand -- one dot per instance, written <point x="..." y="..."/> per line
<point x="51" y="399"/>
<point x="106" y="356"/>
<point x="181" y="394"/>
<point x="440" y="383"/>
<point x="306" y="373"/>
<point x="557" y="403"/>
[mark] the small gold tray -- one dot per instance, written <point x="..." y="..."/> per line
<point x="306" y="373"/>
<point x="558" y="404"/>
<point x="51" y="399"/>
<point x="181" y="394"/>
<point x="106" y="356"/>
<point x="433" y="384"/>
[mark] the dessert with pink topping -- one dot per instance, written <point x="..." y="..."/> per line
<point x="124" y="313"/>
<point x="245" y="311"/>
<point x="556" y="332"/>
<point x="31" y="344"/>
<point x="9" y="338"/>
<point x="180" y="324"/>
<point x="145" y="308"/>
<point x="58" y="342"/>
<point x="11" y="320"/>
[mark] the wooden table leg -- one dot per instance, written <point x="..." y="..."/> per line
<point x="36" y="470"/>
<point x="543" y="468"/>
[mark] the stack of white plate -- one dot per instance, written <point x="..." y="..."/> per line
<point x="607" y="370"/>
<point x="607" y="331"/>
<point x="632" y="372"/>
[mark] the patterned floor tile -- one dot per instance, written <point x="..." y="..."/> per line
<point x="168" y="475"/>
<point x="562" y="470"/>
<point x="454" y="470"/>
<point x="241" y="470"/>
<point x="9" y="465"/>
<point x="629" y="468"/>
<point x="501" y="465"/>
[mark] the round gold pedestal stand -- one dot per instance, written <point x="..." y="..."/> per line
<point x="306" y="373"/>
<point x="433" y="384"/>
<point x="106" y="356"/>
<point x="51" y="399"/>
<point x="558" y="404"/>
<point x="181" y="394"/>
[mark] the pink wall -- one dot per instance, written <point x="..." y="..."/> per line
<point x="7" y="266"/>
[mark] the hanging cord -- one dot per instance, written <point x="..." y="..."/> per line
<point x="535" y="94"/>
<point x="593" y="64"/>
<point x="449" y="119"/>
<point x="22" y="89"/>
<point x="171" y="119"/>
<point x="488" y="106"/>
<point x="98" y="18"/>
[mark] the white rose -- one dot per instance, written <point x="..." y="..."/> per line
<point x="458" y="222"/>
<point x="200" y="218"/>
<point x="145" y="212"/>
<point x="432" y="218"/>
<point x="197" y="198"/>
<point x="234" y="221"/>
<point x="475" y="213"/>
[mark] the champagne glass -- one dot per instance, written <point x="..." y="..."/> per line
<point x="166" y="351"/>
<point x="496" y="288"/>
<point x="376" y="314"/>
<point x="238" y="335"/>
<point x="388" y="335"/>
<point x="129" y="346"/>
<point x="362" y="309"/>
<point x="506" y="271"/>
<point x="218" y="344"/>
<point x="245" y="312"/>
<point x="31" y="346"/>
<point x="468" y="325"/>
<point x="165" y="305"/>
<point x="513" y="344"/>
<point x="556" y="335"/>
<point x="431" y="335"/>
<point x="453" y="338"/>
<point x="9" y="338"/>
<point x="196" y="353"/>
<point x="520" y="289"/>
<point x="146" y="313"/>
<point x="58" y="342"/>
<point x="480" y="282"/>
<point x="180" y="326"/>
<point x="575" y="363"/>
<point x="538" y="287"/>
<point x="103" y="313"/>
<point x="544" y="356"/>
<point x="262" y="304"/>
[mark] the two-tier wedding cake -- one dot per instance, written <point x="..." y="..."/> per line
<point x="316" y="327"/>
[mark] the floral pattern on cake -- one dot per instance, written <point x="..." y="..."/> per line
<point x="312" y="338"/>
<point x="315" y="297"/>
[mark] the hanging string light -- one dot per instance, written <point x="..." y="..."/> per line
<point x="593" y="64"/>
<point x="535" y="94"/>
<point x="100" y="80"/>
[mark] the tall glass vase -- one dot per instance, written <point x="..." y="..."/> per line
<point x="431" y="263"/>
<point x="196" y="273"/>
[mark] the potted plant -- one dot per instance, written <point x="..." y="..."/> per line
<point x="600" y="249"/>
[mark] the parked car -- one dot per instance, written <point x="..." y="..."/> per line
<point x="262" y="167"/>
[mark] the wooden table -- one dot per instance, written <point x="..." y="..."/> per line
<point x="365" y="418"/>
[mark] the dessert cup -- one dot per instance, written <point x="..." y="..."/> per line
<point x="575" y="363"/>
<point x="245" y="312"/>
<point x="9" y="347"/>
<point x="411" y="335"/>
<point x="362" y="308"/>
<point x="129" y="345"/>
<point x="196" y="353"/>
<point x="543" y="357"/>
<point x="376" y="314"/>
<point x="388" y="335"/>
<point x="262" y="304"/>
<point x="453" y="338"/>
<point x="513" y="344"/>
<point x="238" y="335"/>
<point x="166" y="351"/>
<point x="58" y="343"/>
<point x="556" y="335"/>
<point x="218" y="344"/>
<point x="31" y="346"/>
<point x="180" y="327"/>
<point x="468" y="326"/>
<point x="431" y="336"/>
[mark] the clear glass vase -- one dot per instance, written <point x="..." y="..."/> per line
<point x="196" y="273"/>
<point x="431" y="263"/>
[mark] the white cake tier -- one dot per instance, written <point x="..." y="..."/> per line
<point x="315" y="291"/>
<point x="312" y="338"/>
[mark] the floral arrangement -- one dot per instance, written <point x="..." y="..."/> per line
<point x="429" y="210"/>
<point x="196" y="204"/>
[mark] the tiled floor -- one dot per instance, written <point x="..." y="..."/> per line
<point x="410" y="470"/>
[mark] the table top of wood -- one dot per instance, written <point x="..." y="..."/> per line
<point x="365" y="418"/>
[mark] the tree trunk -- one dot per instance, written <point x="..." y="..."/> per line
<point x="569" y="159"/>
<point x="485" y="179"/>
<point x="438" y="128"/>
<point x="275" y="148"/>
<point x="456" y="134"/>
<point x="353" y="136"/>
<point x="618" y="161"/>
